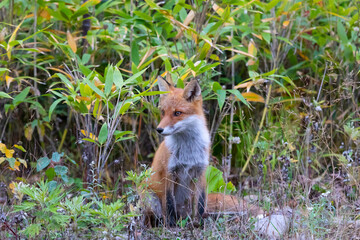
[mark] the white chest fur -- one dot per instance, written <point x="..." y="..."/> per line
<point x="190" y="146"/>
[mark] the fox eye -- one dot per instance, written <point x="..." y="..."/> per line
<point x="162" y="112"/>
<point x="177" y="113"/>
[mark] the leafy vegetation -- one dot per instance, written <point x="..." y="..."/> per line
<point x="78" y="83"/>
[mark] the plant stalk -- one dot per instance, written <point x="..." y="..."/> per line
<point x="258" y="132"/>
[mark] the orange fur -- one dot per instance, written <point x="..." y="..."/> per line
<point x="219" y="202"/>
<point x="185" y="165"/>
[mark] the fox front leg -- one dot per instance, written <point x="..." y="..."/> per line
<point x="199" y="199"/>
<point x="170" y="202"/>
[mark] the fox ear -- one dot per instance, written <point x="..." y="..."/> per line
<point x="192" y="91"/>
<point x="164" y="86"/>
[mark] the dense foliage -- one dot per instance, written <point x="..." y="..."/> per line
<point x="78" y="104"/>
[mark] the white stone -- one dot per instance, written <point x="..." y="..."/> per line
<point x="273" y="226"/>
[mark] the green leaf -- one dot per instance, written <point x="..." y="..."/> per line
<point x="42" y="163"/>
<point x="50" y="173"/>
<point x="53" y="106"/>
<point x="21" y="96"/>
<point x="152" y="4"/>
<point x="65" y="178"/>
<point x="56" y="156"/>
<point x="85" y="58"/>
<point x="216" y="86"/>
<point x="271" y="4"/>
<point x="52" y="184"/>
<point x="90" y="140"/>
<point x="109" y="80"/>
<point x="144" y="16"/>
<point x="267" y="37"/>
<point x="4" y="95"/>
<point x="103" y="134"/>
<point x="11" y="162"/>
<point x="135" y="52"/>
<point x="287" y="79"/>
<point x="32" y="230"/>
<point x="221" y="96"/>
<point x="20" y="147"/>
<point x="342" y="33"/>
<point x="135" y="76"/>
<point x="285" y="40"/>
<point x="124" y="107"/>
<point x="118" y="79"/>
<point x="239" y="96"/>
<point x="119" y="134"/>
<point x="150" y="93"/>
<point x="60" y="170"/>
<point x="66" y="81"/>
<point x="94" y="88"/>
<point x="215" y="181"/>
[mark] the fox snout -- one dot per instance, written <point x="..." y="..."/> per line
<point x="159" y="130"/>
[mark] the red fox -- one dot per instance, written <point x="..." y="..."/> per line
<point x="178" y="185"/>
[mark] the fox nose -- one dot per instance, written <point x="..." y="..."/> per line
<point x="159" y="130"/>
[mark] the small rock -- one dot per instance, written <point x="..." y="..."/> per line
<point x="251" y="198"/>
<point x="273" y="226"/>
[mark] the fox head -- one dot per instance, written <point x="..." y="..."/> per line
<point x="181" y="109"/>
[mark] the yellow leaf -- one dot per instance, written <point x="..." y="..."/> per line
<point x="28" y="133"/>
<point x="249" y="84"/>
<point x="240" y="52"/>
<point x="258" y="36"/>
<point x="286" y="23"/>
<point x="45" y="14"/>
<point x="80" y="98"/>
<point x="185" y="75"/>
<point x="180" y="56"/>
<point x="252" y="48"/>
<point x="302" y="55"/>
<point x="42" y="50"/>
<point x="62" y="71"/>
<point x="187" y="21"/>
<point x="9" y="153"/>
<point x="19" y="147"/>
<point x="9" y="80"/>
<point x="195" y="37"/>
<point x="98" y="83"/>
<point x="71" y="41"/>
<point x="2" y="159"/>
<point x="268" y="19"/>
<point x="29" y="16"/>
<point x="12" y="38"/>
<point x="291" y="147"/>
<point x="89" y="135"/>
<point x="189" y="18"/>
<point x="332" y="13"/>
<point x="22" y="161"/>
<point x="12" y="186"/>
<point x="250" y="62"/>
<point x="214" y="57"/>
<point x="2" y="148"/>
<point x="147" y="54"/>
<point x="90" y="2"/>
<point x="253" y="97"/>
<point x="220" y="12"/>
<point x="16" y="165"/>
<point x="41" y="131"/>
